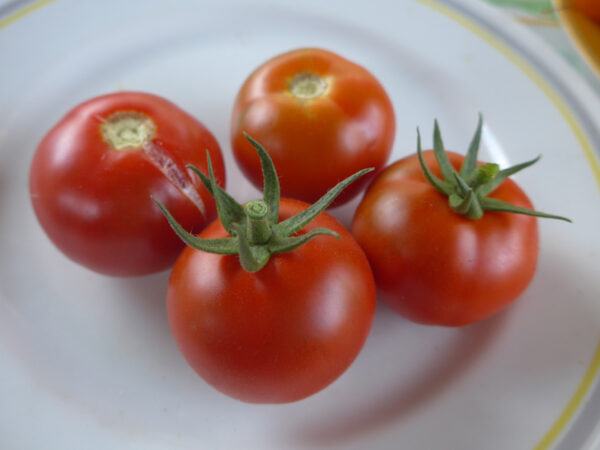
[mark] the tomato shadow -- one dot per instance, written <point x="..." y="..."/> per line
<point x="146" y="289"/>
<point x="344" y="425"/>
<point x="144" y="303"/>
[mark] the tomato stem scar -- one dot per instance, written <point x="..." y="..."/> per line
<point x="306" y="86"/>
<point x="127" y="130"/>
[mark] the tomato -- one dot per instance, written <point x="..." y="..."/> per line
<point x="93" y="173"/>
<point x="320" y="117"/>
<point x="279" y="334"/>
<point x="434" y="266"/>
<point x="451" y="241"/>
<point x="589" y="8"/>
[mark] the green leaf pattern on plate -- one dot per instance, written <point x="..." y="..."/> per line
<point x="534" y="10"/>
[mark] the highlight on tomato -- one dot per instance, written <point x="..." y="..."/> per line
<point x="320" y="116"/>
<point x="272" y="302"/>
<point x="451" y="241"/>
<point x="91" y="175"/>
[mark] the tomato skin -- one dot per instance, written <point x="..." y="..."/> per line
<point x="94" y="201"/>
<point x="282" y="333"/>
<point x="589" y="8"/>
<point x="437" y="267"/>
<point x="314" y="143"/>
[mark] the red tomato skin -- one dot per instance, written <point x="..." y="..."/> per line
<point x="94" y="201"/>
<point x="434" y="266"/>
<point x="318" y="142"/>
<point x="282" y="333"/>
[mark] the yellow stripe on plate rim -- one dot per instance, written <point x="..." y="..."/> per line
<point x="593" y="369"/>
<point x="23" y="12"/>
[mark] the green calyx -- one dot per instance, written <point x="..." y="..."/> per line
<point x="468" y="189"/>
<point x="255" y="231"/>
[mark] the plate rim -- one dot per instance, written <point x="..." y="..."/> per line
<point x="570" y="21"/>
<point x="574" y="103"/>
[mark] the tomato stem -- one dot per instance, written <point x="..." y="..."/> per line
<point x="258" y="227"/>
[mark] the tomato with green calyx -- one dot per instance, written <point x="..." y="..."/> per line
<point x="266" y="304"/>
<point x="91" y="175"/>
<point x="449" y="244"/>
<point x="321" y="118"/>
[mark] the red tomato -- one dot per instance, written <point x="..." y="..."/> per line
<point x="279" y="334"/>
<point x="589" y="8"/>
<point x="92" y="176"/>
<point x="320" y="117"/>
<point x="433" y="265"/>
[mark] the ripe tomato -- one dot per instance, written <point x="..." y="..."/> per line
<point x="279" y="334"/>
<point x="589" y="8"/>
<point x="92" y="176"/>
<point x="320" y="117"/>
<point x="433" y="265"/>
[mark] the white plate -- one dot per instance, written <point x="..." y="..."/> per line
<point x="87" y="361"/>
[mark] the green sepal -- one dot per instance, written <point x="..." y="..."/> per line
<point x="440" y="153"/>
<point x="467" y="190"/>
<point x="235" y="209"/>
<point x="466" y="203"/>
<point x="256" y="235"/>
<point x="462" y="185"/>
<point x="470" y="162"/>
<point x="228" y="215"/>
<point x="225" y="246"/>
<point x="285" y="244"/>
<point x="442" y="186"/>
<point x="296" y="223"/>
<point x="271" y="190"/>
<point x="493" y="204"/>
<point x="461" y="205"/>
<point x="502" y="175"/>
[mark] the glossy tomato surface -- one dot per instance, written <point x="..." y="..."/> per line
<point x="282" y="333"/>
<point x="437" y="267"/>
<point x="320" y="117"/>
<point x="90" y="184"/>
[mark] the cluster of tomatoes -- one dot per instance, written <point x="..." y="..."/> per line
<point x="283" y="301"/>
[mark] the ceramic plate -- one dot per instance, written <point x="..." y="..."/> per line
<point x="88" y="361"/>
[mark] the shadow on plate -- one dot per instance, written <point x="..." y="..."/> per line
<point x="404" y="399"/>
